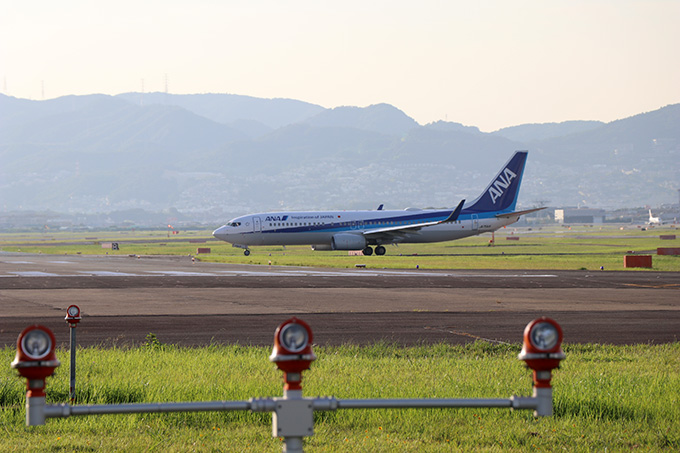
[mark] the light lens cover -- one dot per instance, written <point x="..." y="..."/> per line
<point x="544" y="336"/>
<point x="73" y="311"/>
<point x="293" y="337"/>
<point x="36" y="344"/>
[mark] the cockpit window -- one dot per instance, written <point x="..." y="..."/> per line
<point x="234" y="224"/>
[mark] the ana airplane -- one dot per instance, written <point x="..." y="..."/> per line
<point x="654" y="220"/>
<point x="363" y="230"/>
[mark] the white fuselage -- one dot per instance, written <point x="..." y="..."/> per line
<point x="319" y="227"/>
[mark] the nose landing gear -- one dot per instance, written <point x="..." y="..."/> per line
<point x="246" y="252"/>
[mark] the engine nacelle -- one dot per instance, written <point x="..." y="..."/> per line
<point x="317" y="247"/>
<point x="346" y="241"/>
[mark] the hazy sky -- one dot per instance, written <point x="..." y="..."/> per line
<point x="489" y="64"/>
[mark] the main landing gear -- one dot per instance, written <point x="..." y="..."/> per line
<point x="379" y="250"/>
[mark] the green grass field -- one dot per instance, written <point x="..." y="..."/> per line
<point x="549" y="247"/>
<point x="605" y="399"/>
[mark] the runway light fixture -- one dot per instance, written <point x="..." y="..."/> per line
<point x="293" y="351"/>
<point x="544" y="336"/>
<point x="35" y="359"/>
<point x="73" y="315"/>
<point x="542" y="349"/>
<point x="36" y="344"/>
<point x="294" y="337"/>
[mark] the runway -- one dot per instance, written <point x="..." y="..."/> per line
<point x="123" y="298"/>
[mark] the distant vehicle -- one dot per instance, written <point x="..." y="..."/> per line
<point x="363" y="230"/>
<point x="654" y="220"/>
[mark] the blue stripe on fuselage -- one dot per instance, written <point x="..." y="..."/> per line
<point x="354" y="225"/>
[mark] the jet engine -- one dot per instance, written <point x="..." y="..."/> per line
<point x="346" y="241"/>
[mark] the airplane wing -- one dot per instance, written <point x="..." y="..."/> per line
<point x="404" y="230"/>
<point x="517" y="213"/>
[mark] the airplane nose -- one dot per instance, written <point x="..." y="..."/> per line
<point x="221" y="233"/>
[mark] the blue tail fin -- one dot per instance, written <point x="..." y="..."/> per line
<point x="501" y="194"/>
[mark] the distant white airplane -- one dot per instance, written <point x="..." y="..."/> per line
<point x="363" y="230"/>
<point x="654" y="220"/>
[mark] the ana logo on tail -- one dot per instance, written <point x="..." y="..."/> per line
<point x="502" y="183"/>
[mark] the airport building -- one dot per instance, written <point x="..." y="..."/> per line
<point x="579" y="215"/>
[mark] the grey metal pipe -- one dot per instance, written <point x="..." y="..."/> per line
<point x="65" y="410"/>
<point x="422" y="403"/>
<point x="540" y="401"/>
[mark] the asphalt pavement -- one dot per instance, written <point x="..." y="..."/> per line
<point x="186" y="302"/>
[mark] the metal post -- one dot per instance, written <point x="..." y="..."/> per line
<point x="291" y="444"/>
<point x="72" y="386"/>
<point x="544" y="406"/>
<point x="35" y="410"/>
<point x="293" y="418"/>
<point x="73" y="318"/>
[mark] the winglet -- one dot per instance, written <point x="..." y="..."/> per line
<point x="456" y="212"/>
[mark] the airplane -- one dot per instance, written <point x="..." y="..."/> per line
<point x="362" y="230"/>
<point x="654" y="220"/>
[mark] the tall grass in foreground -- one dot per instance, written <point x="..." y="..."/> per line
<point x="606" y="398"/>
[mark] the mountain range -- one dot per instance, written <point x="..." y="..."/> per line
<point x="217" y="155"/>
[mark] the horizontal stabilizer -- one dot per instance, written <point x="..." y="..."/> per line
<point x="517" y="213"/>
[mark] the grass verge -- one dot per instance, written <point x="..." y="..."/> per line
<point x="607" y="398"/>
<point x="550" y="247"/>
